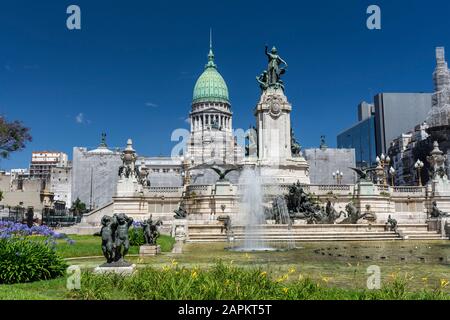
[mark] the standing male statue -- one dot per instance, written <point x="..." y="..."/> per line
<point x="107" y="234"/>
<point x="121" y="240"/>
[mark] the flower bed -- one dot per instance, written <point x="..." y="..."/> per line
<point x="28" y="254"/>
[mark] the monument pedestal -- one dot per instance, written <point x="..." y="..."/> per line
<point x="178" y="247"/>
<point x="149" y="250"/>
<point x="116" y="269"/>
<point x="180" y="229"/>
<point x="276" y="160"/>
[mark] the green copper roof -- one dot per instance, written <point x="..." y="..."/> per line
<point x="210" y="86"/>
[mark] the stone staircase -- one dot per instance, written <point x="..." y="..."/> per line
<point x="314" y="233"/>
<point x="418" y="232"/>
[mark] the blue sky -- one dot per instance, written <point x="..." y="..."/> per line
<point x="131" y="70"/>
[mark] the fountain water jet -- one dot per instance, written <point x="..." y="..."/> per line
<point x="251" y="212"/>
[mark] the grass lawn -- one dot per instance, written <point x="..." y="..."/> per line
<point x="41" y="290"/>
<point x="299" y="274"/>
<point x="220" y="281"/>
<point x="87" y="246"/>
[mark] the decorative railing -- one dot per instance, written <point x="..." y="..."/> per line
<point x="165" y="189"/>
<point x="333" y="187"/>
<point x="410" y="189"/>
<point x="382" y="188"/>
<point x="198" y="187"/>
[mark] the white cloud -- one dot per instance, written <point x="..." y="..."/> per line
<point x="80" y="118"/>
<point x="151" y="104"/>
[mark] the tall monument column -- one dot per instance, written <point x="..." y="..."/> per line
<point x="279" y="155"/>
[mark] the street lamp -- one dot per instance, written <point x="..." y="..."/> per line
<point x="419" y="166"/>
<point x="392" y="173"/>
<point x="383" y="163"/>
<point x="338" y="175"/>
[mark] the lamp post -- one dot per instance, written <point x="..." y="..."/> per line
<point x="392" y="173"/>
<point x="383" y="163"/>
<point x="338" y="176"/>
<point x="419" y="166"/>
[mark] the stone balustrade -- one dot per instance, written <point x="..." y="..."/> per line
<point x="165" y="191"/>
<point x="410" y="190"/>
<point x="200" y="189"/>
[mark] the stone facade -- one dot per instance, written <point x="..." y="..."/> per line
<point x="94" y="176"/>
<point x="24" y="192"/>
<point x="61" y="184"/>
<point x="323" y="162"/>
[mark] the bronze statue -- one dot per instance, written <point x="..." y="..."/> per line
<point x="107" y="234"/>
<point x="301" y="206"/>
<point x="226" y="220"/>
<point x="181" y="212"/>
<point x="391" y="224"/>
<point x="274" y="69"/>
<point x="331" y="215"/>
<point x="121" y="241"/>
<point x="263" y="80"/>
<point x="295" y="146"/>
<point x="363" y="174"/>
<point x="353" y="214"/>
<point x="437" y="213"/>
<point x="115" y="241"/>
<point x="223" y="174"/>
<point x="151" y="233"/>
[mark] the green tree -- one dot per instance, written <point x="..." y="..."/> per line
<point x="13" y="136"/>
<point x="78" y="207"/>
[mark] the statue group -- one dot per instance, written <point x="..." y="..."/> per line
<point x="299" y="205"/>
<point x="115" y="237"/>
<point x="115" y="240"/>
<point x="271" y="78"/>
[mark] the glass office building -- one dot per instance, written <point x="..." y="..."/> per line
<point x="360" y="137"/>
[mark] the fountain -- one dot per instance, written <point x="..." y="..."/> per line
<point x="251" y="212"/>
<point x="283" y="217"/>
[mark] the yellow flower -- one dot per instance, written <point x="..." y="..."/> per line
<point x="393" y="275"/>
<point x="283" y="278"/>
<point x="166" y="268"/>
<point x="285" y="290"/>
<point x="247" y="256"/>
<point x="263" y="274"/>
<point x="300" y="277"/>
<point x="174" y="262"/>
<point x="292" y="270"/>
<point x="326" y="279"/>
<point x="227" y="282"/>
<point x="194" y="275"/>
<point x="424" y="279"/>
<point x="444" y="283"/>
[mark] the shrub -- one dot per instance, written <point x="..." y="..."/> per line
<point x="136" y="236"/>
<point x="26" y="260"/>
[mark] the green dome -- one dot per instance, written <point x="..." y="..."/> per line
<point x="210" y="86"/>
